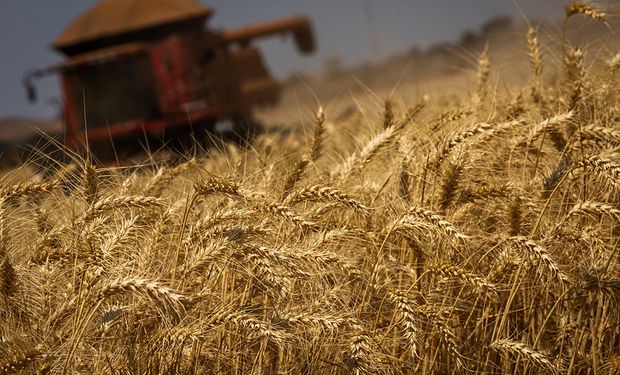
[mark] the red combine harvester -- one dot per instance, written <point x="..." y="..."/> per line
<point x="148" y="71"/>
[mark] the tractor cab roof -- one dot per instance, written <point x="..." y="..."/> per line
<point x="112" y="22"/>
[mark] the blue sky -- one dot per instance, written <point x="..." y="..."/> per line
<point x="357" y="30"/>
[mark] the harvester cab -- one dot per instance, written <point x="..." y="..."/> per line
<point x="148" y="71"/>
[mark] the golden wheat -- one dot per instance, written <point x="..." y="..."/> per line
<point x="464" y="233"/>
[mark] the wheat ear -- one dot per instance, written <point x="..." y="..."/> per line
<point x="360" y="351"/>
<point x="295" y="175"/>
<point x="319" y="131"/>
<point x="454" y="272"/>
<point x="536" y="63"/>
<point x="587" y="9"/>
<point x="91" y="183"/>
<point x="288" y="214"/>
<point x="327" y="194"/>
<point x="460" y="139"/>
<point x="357" y="161"/>
<point x="218" y="186"/>
<point x="576" y="75"/>
<point x="113" y="203"/>
<point x="311" y="155"/>
<point x="164" y="176"/>
<point x="8" y="277"/>
<point x="407" y="319"/>
<point x="150" y="288"/>
<point x="601" y="166"/>
<point x="248" y="322"/>
<point x="590" y="209"/>
<point x="538" y="255"/>
<point x="535" y="357"/>
<point x="483" y="73"/>
<point x="9" y="194"/>
<point x="415" y="214"/>
<point x="19" y="362"/>
<point x="601" y="133"/>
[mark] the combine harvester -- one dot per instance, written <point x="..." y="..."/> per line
<point x="147" y="72"/>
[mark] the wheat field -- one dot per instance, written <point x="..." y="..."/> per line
<point x="484" y="239"/>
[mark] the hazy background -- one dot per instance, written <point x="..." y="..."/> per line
<point x="356" y="30"/>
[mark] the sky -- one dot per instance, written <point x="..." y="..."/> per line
<point x="357" y="30"/>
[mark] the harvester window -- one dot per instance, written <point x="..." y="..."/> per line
<point x="117" y="91"/>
